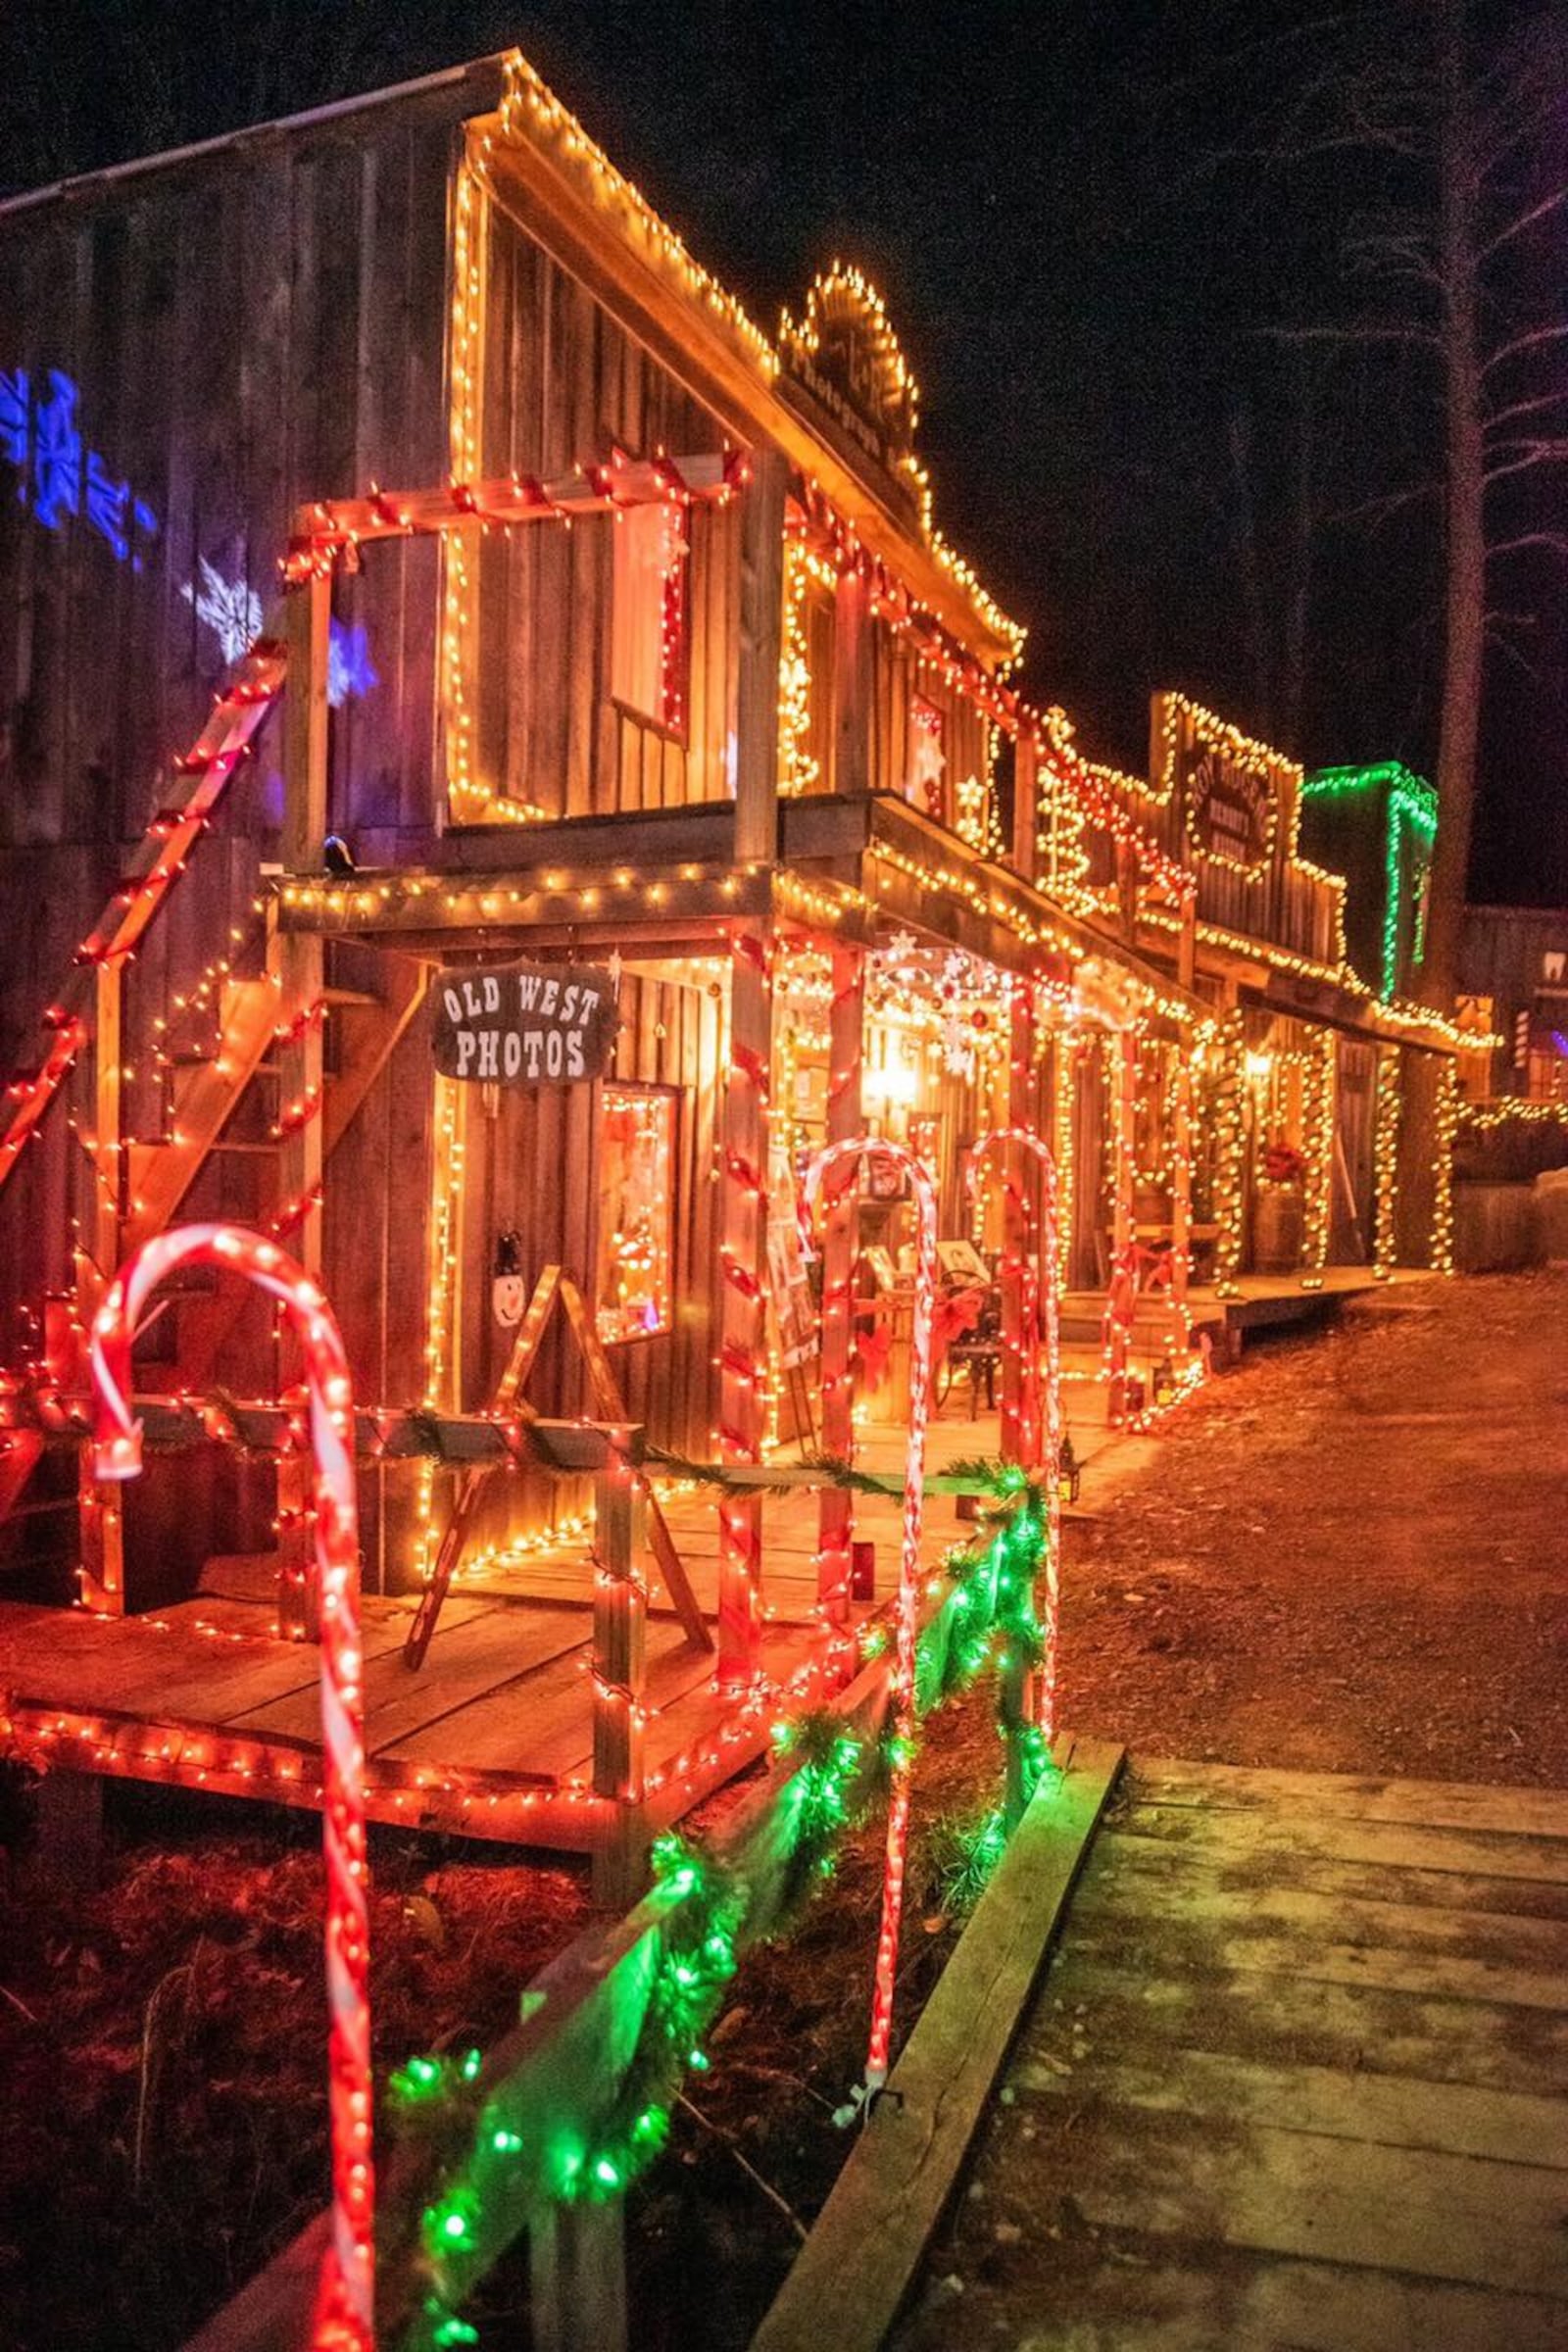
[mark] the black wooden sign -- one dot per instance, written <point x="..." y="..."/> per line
<point x="1230" y="807"/>
<point x="525" y="1024"/>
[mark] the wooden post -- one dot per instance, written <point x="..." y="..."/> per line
<point x="620" y="1673"/>
<point x="577" y="2277"/>
<point x="851" y="686"/>
<point x="70" y="1814"/>
<point x="1181" y="1179"/>
<point x="1066" y="1126"/>
<point x="1126" y="1135"/>
<point x="1187" y="940"/>
<point x="743" y="1260"/>
<point x="296" y="960"/>
<point x="1321" y="1125"/>
<point x="742" y="1248"/>
<point x="1122" y="1308"/>
<point x="1021" y="1350"/>
<point x="103" y="1164"/>
<point x="836" y="1506"/>
<point x="1025" y="808"/>
<point x="761" y="620"/>
<point x="1230" y="1149"/>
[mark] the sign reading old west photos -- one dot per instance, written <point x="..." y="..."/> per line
<point x="1230" y="806"/>
<point x="525" y="1024"/>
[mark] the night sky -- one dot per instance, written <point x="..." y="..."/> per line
<point x="1084" y="284"/>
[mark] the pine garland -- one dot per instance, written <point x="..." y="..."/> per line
<point x="493" y="2169"/>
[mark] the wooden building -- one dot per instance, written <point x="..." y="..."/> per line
<point x="611" y="631"/>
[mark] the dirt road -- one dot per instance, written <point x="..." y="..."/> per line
<point x="1352" y="1553"/>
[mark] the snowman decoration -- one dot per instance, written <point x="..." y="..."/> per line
<point x="508" y="1296"/>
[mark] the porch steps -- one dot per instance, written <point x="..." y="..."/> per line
<point x="1081" y="1322"/>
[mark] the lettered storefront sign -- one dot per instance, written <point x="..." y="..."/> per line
<point x="525" y="1024"/>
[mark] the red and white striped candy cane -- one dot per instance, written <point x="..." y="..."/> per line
<point x="1044" y="1269"/>
<point x="909" y="1601"/>
<point x="345" y="2320"/>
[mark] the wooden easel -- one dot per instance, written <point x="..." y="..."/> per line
<point x="554" y="1284"/>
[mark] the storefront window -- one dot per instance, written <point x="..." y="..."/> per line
<point x="636" y="1213"/>
<point x="648" y="649"/>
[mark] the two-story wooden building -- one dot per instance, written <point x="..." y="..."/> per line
<point x="610" y="631"/>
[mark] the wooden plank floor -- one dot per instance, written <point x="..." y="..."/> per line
<point x="493" y="1736"/>
<point x="1296" y="2081"/>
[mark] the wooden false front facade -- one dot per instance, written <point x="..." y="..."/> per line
<point x="606" y="630"/>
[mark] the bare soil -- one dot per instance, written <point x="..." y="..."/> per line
<point x="1348" y="1556"/>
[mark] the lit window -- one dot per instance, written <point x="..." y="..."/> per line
<point x="636" y="1213"/>
<point x="648" y="655"/>
<point x="922" y="785"/>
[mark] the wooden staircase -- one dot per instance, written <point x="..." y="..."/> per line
<point x="162" y="856"/>
<point x="258" y="1019"/>
<point x="207" y="1090"/>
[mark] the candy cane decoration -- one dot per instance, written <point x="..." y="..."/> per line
<point x="1042" y="1270"/>
<point x="344" y="2319"/>
<point x="907" y="1625"/>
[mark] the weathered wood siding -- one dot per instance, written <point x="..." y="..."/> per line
<point x="899" y="681"/>
<point x="531" y="1166"/>
<point x="565" y="385"/>
<point x="254" y="325"/>
<point x="261" y="324"/>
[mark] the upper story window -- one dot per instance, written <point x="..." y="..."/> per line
<point x="927" y="758"/>
<point x="649" y="647"/>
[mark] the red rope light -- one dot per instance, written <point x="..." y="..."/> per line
<point x="908" y="1614"/>
<point x="345" y="2319"/>
<point x="1042" y="1272"/>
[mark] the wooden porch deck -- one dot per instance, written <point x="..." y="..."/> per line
<point x="492" y="1738"/>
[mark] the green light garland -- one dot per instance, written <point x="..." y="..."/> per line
<point x="497" y="2161"/>
<point x="1411" y="810"/>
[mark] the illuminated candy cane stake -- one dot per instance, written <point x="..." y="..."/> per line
<point x="902" y="1691"/>
<point x="344" y="2319"/>
<point x="1040" y="1270"/>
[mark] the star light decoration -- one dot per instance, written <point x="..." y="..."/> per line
<point x="956" y="1000"/>
<point x="233" y="610"/>
<point x="230" y="608"/>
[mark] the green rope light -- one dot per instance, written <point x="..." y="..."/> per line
<point x="1411" y="812"/>
<point x="497" y="2162"/>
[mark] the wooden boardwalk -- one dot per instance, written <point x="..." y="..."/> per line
<point x="1296" y="2081"/>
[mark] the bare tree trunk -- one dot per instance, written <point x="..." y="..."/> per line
<point x="1287" y="716"/>
<point x="1244" y="530"/>
<point x="1465" y="557"/>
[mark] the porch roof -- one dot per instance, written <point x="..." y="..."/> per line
<point x="663" y="878"/>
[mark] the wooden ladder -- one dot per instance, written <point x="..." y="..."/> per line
<point x="555" y="1285"/>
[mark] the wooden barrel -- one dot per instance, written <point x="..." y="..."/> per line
<point x="1494" y="1227"/>
<point x="1277" y="1225"/>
